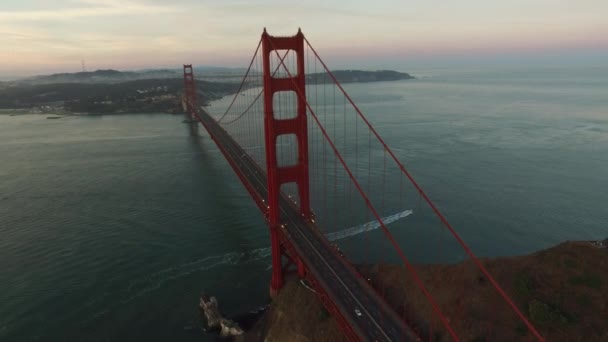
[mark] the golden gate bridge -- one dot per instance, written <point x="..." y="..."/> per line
<point x="313" y="164"/>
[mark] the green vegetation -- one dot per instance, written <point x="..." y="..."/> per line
<point x="111" y="91"/>
<point x="590" y="280"/>
<point x="583" y="300"/>
<point x="149" y="95"/>
<point x="543" y="313"/>
<point x="570" y="263"/>
<point x="523" y="285"/>
<point x="521" y="329"/>
<point x="323" y="314"/>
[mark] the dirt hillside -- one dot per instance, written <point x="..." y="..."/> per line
<point x="562" y="290"/>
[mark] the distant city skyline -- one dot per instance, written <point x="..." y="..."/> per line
<point x="38" y="36"/>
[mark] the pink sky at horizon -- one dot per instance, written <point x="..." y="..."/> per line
<point x="136" y="34"/>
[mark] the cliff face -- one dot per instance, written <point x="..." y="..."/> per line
<point x="562" y="290"/>
<point x="296" y="315"/>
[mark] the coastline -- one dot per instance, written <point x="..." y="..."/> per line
<point x="145" y="96"/>
<point x="541" y="284"/>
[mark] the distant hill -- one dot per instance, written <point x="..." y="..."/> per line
<point x="145" y="95"/>
<point x="111" y="76"/>
<point x="216" y="69"/>
<point x="221" y="74"/>
<point x="30" y="95"/>
<point x="98" y="76"/>
<point x="350" y="76"/>
<point x="203" y="68"/>
<point x="113" y="91"/>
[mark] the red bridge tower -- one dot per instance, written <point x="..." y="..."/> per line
<point x="189" y="90"/>
<point x="273" y="128"/>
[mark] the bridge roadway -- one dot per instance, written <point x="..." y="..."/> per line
<point x="376" y="322"/>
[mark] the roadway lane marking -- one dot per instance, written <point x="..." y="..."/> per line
<point x="256" y="177"/>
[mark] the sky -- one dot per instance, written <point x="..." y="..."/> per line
<point x="46" y="36"/>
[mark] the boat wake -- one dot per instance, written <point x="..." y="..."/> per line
<point x="264" y="252"/>
<point x="152" y="282"/>
<point x="366" y="227"/>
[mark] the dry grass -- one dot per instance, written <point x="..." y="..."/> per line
<point x="296" y="315"/>
<point x="562" y="290"/>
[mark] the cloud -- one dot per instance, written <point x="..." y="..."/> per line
<point x="149" y="32"/>
<point x="88" y="8"/>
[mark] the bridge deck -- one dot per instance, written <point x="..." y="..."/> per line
<point x="349" y="292"/>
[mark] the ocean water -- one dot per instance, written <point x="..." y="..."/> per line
<point x="110" y="226"/>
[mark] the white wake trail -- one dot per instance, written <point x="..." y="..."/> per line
<point x="366" y="227"/>
<point x="157" y="279"/>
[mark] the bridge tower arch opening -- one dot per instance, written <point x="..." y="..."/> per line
<point x="274" y="127"/>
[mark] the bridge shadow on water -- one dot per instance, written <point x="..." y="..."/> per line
<point x="241" y="254"/>
<point x="230" y="198"/>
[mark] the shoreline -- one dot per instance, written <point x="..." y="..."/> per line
<point x="559" y="289"/>
<point x="173" y="106"/>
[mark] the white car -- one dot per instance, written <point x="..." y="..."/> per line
<point x="358" y="312"/>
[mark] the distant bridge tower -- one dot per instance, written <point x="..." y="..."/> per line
<point x="273" y="128"/>
<point x="189" y="90"/>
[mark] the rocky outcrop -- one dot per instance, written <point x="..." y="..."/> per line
<point x="215" y="320"/>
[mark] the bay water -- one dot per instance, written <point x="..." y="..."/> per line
<point x="111" y="226"/>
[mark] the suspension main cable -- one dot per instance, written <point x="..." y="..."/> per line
<point x="256" y="98"/>
<point x="384" y="229"/>
<point x="242" y="82"/>
<point x="427" y="199"/>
